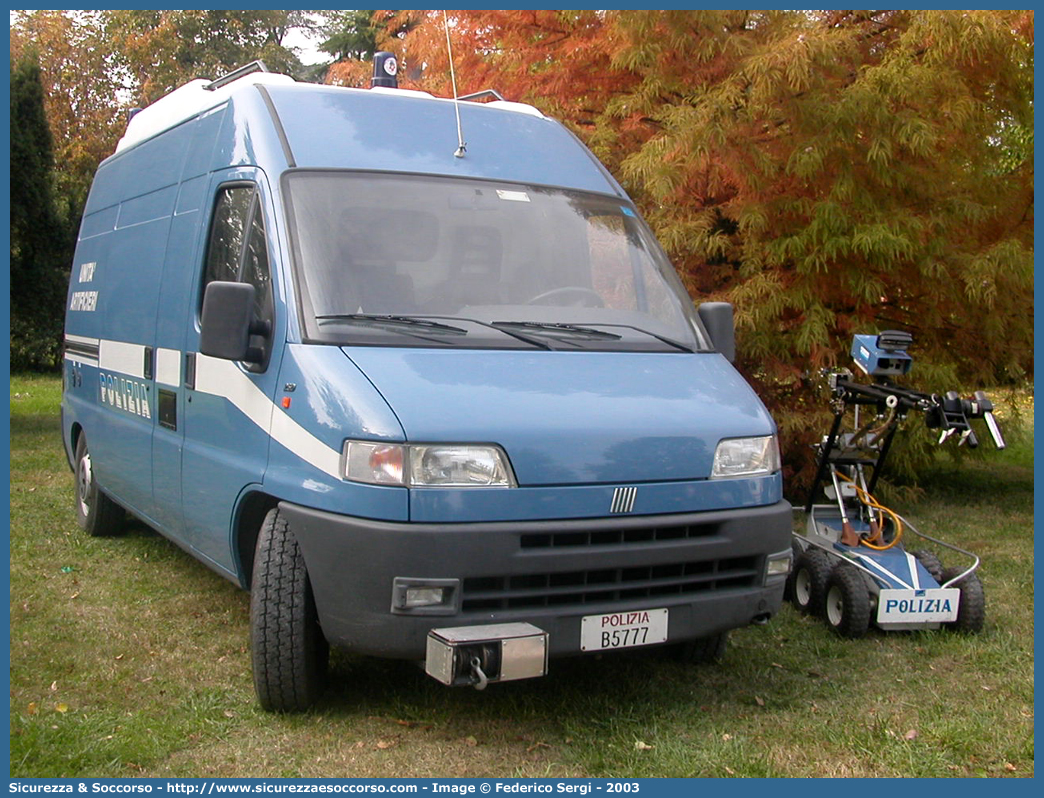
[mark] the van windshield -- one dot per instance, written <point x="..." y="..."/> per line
<point x="405" y="260"/>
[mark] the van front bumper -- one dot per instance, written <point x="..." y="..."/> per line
<point x="708" y="569"/>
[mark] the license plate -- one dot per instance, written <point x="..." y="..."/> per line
<point x="623" y="629"/>
<point x="918" y="606"/>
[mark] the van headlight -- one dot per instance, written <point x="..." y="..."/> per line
<point x="427" y="465"/>
<point x="746" y="457"/>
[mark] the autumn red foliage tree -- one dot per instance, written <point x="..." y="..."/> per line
<point x="827" y="172"/>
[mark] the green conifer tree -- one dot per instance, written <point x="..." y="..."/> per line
<point x="39" y="237"/>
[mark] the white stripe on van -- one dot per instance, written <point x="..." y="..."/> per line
<point x="168" y="367"/>
<point x="305" y="445"/>
<point x="83" y="358"/>
<point x="223" y="378"/>
<point x="125" y="358"/>
<point x="82" y="339"/>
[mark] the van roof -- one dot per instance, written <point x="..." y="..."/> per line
<point x="186" y="102"/>
<point x="197" y="96"/>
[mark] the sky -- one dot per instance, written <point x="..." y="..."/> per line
<point x="308" y="52"/>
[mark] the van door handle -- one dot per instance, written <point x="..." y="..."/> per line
<point x="190" y="370"/>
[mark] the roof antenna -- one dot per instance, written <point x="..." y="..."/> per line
<point x="462" y="146"/>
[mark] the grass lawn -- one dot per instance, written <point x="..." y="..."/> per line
<point x="129" y="658"/>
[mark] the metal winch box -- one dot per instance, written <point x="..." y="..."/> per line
<point x="479" y="655"/>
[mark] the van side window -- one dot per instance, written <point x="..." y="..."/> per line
<point x="237" y="250"/>
<point x="255" y="269"/>
<point x="227" y="233"/>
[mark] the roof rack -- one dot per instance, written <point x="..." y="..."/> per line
<point x="236" y="74"/>
<point x="478" y="95"/>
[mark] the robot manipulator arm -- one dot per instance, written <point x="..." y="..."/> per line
<point x="950" y="414"/>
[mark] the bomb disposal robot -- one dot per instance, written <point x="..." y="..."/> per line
<point x="851" y="564"/>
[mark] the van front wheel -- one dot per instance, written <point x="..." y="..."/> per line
<point x="99" y="515"/>
<point x="288" y="649"/>
<point x="704" y="650"/>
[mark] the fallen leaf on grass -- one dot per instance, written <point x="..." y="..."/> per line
<point x="726" y="736"/>
<point x="32" y="709"/>
<point x="730" y="771"/>
<point x="641" y="746"/>
<point x="1010" y="767"/>
<point x="535" y="746"/>
<point x="62" y="708"/>
<point x="54" y="687"/>
<point x="385" y="744"/>
<point x="910" y="735"/>
<point x="759" y="701"/>
<point x="413" y="724"/>
<point x="470" y="742"/>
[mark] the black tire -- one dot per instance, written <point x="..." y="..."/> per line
<point x="704" y="650"/>
<point x="788" y="586"/>
<point x="847" y="604"/>
<point x="99" y="515"/>
<point x="932" y="564"/>
<point x="971" y="614"/>
<point x="288" y="649"/>
<point x="808" y="580"/>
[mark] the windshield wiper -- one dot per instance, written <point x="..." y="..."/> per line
<point x="511" y="333"/>
<point x="657" y="336"/>
<point x="558" y="330"/>
<point x="373" y="320"/>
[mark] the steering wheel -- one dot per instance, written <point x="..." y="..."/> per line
<point x="584" y="297"/>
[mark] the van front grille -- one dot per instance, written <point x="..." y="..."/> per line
<point x="617" y="537"/>
<point x="607" y="585"/>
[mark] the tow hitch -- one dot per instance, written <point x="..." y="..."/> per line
<point x="481" y="655"/>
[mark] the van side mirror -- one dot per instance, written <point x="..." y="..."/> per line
<point x="225" y="327"/>
<point x="717" y="318"/>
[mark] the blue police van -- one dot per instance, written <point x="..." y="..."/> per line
<point x="415" y="373"/>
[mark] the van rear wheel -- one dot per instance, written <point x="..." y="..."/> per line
<point x="99" y="515"/>
<point x="288" y="649"/>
